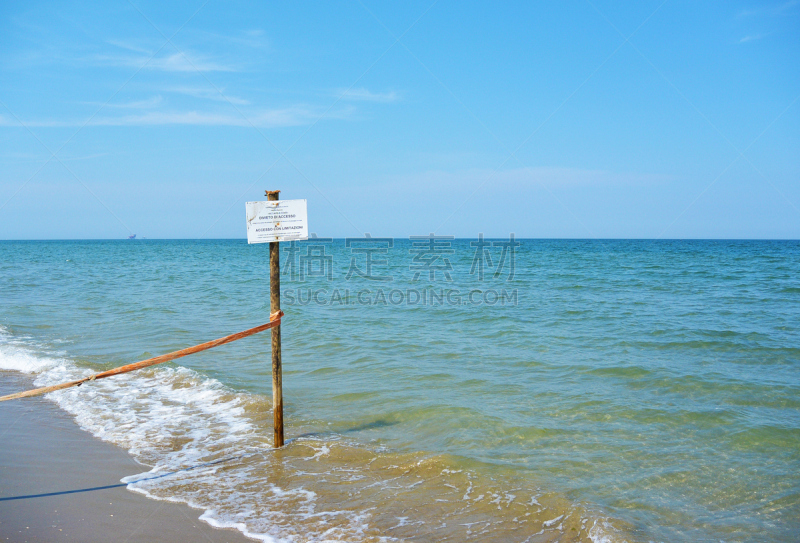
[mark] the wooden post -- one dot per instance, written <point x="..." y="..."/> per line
<point x="275" y="305"/>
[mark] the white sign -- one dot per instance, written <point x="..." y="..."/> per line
<point x="279" y="220"/>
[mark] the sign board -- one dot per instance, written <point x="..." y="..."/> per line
<point x="278" y="220"/>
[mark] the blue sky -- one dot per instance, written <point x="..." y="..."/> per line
<point x="575" y="119"/>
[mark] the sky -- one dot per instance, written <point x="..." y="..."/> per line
<point x="573" y="119"/>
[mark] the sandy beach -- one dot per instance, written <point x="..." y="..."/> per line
<point x="43" y="453"/>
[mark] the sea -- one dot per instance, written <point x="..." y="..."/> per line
<point x="435" y="389"/>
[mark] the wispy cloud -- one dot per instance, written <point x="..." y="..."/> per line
<point x="271" y="118"/>
<point x="787" y="6"/>
<point x="520" y="179"/>
<point x="129" y="46"/>
<point x="253" y="39"/>
<point x="136" y="104"/>
<point x="210" y="94"/>
<point x="773" y="9"/>
<point x="267" y="119"/>
<point x="753" y="37"/>
<point x="176" y="62"/>
<point x="364" y="95"/>
<point x="39" y="158"/>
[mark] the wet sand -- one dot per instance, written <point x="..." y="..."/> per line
<point x="42" y="451"/>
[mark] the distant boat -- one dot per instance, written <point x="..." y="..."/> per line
<point x="132" y="236"/>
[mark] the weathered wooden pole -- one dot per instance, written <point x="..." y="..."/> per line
<point x="275" y="305"/>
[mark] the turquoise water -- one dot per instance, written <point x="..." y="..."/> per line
<point x="648" y="387"/>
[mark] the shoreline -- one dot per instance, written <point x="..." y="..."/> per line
<point x="68" y="483"/>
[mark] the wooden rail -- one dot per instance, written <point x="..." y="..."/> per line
<point x="274" y="320"/>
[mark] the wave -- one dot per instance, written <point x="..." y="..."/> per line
<point x="320" y="487"/>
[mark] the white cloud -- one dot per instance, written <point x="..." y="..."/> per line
<point x="751" y="38"/>
<point x="129" y="46"/>
<point x="176" y="62"/>
<point x="774" y="9"/>
<point x="210" y="94"/>
<point x="252" y="39"/>
<point x="786" y="6"/>
<point x="137" y="104"/>
<point x="268" y="119"/>
<point x="518" y="179"/>
<point x="39" y="158"/>
<point x="365" y="95"/>
<point x="271" y="118"/>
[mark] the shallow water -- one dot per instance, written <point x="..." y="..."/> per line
<point x="608" y="391"/>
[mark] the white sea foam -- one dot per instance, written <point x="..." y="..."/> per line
<point x="320" y="452"/>
<point x="174" y="419"/>
<point x="549" y="523"/>
<point x="14" y="356"/>
<point x="602" y="532"/>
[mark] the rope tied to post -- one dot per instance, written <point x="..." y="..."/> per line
<point x="274" y="320"/>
